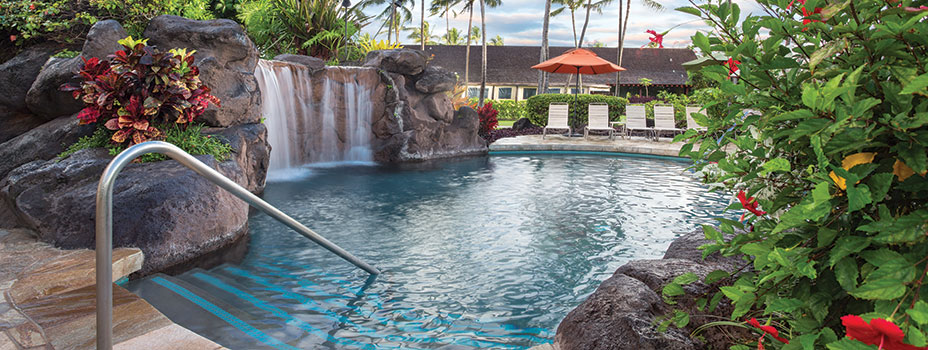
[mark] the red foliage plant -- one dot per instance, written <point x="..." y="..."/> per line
<point x="138" y="86"/>
<point x="488" y="120"/>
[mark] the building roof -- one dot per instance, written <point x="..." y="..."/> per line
<point x="512" y="64"/>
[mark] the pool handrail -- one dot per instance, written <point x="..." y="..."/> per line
<point x="104" y="224"/>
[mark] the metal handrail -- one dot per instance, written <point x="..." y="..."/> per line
<point x="104" y="224"/>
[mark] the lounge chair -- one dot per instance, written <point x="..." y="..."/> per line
<point x="690" y="122"/>
<point x="635" y="119"/>
<point x="664" y="121"/>
<point x="557" y="118"/>
<point x="598" y="120"/>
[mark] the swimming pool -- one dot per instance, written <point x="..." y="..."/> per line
<point x="486" y="252"/>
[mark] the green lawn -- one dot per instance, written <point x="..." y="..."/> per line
<point x="506" y="123"/>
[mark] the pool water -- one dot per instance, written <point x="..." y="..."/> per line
<point x="486" y="252"/>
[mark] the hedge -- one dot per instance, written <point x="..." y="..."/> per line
<point x="536" y="107"/>
<point x="508" y="109"/>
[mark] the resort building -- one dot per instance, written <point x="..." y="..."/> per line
<point x="510" y="76"/>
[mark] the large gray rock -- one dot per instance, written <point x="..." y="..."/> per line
<point x="171" y="213"/>
<point x="16" y="76"/>
<point x="227" y="61"/>
<point x="435" y="80"/>
<point x="314" y="64"/>
<point x="45" y="98"/>
<point x="619" y="315"/>
<point x="523" y="123"/>
<point x="41" y="143"/>
<point x="623" y="312"/>
<point x="401" y="61"/>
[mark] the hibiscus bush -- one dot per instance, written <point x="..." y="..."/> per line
<point x="139" y="87"/>
<point x="825" y="131"/>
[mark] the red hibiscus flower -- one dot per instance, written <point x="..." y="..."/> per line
<point x="750" y="204"/>
<point x="732" y="65"/>
<point x="880" y="332"/>
<point x="916" y="9"/>
<point x="31" y="7"/>
<point x="806" y="13"/>
<point x="12" y="38"/>
<point x="656" y="38"/>
<point x="767" y="330"/>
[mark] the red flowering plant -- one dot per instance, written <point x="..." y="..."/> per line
<point x="488" y="120"/>
<point x="138" y="87"/>
<point x="823" y="139"/>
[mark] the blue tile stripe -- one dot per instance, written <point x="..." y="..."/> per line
<point x="224" y="315"/>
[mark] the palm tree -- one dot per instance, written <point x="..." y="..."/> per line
<point x="475" y="32"/>
<point x="452" y="37"/>
<point x="427" y="39"/>
<point x="393" y="15"/>
<point x="443" y="8"/>
<point x="542" y="75"/>
<point x="497" y="41"/>
<point x="623" y="26"/>
<point x="483" y="59"/>
<point x="469" y="5"/>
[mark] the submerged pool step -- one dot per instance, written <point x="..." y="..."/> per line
<point x="199" y="311"/>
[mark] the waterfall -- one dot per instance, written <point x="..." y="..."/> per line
<point x="328" y="123"/>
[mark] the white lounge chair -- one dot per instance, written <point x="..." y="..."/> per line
<point x="635" y="119"/>
<point x="598" y="120"/>
<point x="690" y="122"/>
<point x="664" y="121"/>
<point x="557" y="118"/>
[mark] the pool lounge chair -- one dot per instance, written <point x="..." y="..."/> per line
<point x="557" y="118"/>
<point x="664" y="121"/>
<point x="690" y="122"/>
<point x="598" y="120"/>
<point x="635" y="120"/>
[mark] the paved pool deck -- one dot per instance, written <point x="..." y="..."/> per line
<point x="48" y="300"/>
<point x="561" y="143"/>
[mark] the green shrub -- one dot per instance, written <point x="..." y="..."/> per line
<point x="536" y="107"/>
<point x="836" y="159"/>
<point x="508" y="109"/>
<point x="307" y="27"/>
<point x="189" y="138"/>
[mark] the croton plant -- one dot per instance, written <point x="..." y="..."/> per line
<point x="138" y="87"/>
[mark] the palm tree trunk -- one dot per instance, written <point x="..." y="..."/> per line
<point x="392" y="19"/>
<point x="447" y="17"/>
<point x="573" y="24"/>
<point x="422" y="26"/>
<point x="623" y="26"/>
<point x="483" y="59"/>
<point x="470" y="22"/>
<point x="542" y="75"/>
<point x="589" y="6"/>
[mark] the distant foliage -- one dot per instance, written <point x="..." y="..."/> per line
<point x="508" y="132"/>
<point x="188" y="137"/>
<point x="536" y="107"/>
<point x="307" y="27"/>
<point x="488" y="119"/>
<point x="508" y="109"/>
<point x="134" y="15"/>
<point x="138" y="87"/>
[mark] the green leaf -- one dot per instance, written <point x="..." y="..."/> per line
<point x="690" y="10"/>
<point x="917" y="85"/>
<point x="915" y="337"/>
<point x="827" y="50"/>
<point x="681" y="319"/>
<point x="783" y="305"/>
<point x="716" y="276"/>
<point x="848" y="344"/>
<point x="672" y="290"/>
<point x="686" y="278"/>
<point x="826" y="236"/>
<point x="881" y="289"/>
<point x="846" y="273"/>
<point x="701" y="41"/>
<point x="845" y="246"/>
<point x="808" y="341"/>
<point x="879" y="185"/>
<point x="776" y="164"/>
<point x="810" y="95"/>
<point x="799" y="114"/>
<point x="919" y="312"/>
<point x="858" y="197"/>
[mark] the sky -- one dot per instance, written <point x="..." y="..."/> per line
<point x="520" y="22"/>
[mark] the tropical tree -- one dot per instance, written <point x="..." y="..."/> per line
<point x="497" y="41"/>
<point x="393" y="16"/>
<point x="443" y="8"/>
<point x="309" y="27"/>
<point x="475" y="32"/>
<point x="542" y="75"/>
<point x="623" y="26"/>
<point x="452" y="37"/>
<point x="483" y="58"/>
<point x="572" y="6"/>
<point x="427" y="39"/>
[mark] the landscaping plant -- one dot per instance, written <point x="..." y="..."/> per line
<point x="138" y="88"/>
<point x="536" y="107"/>
<point x="488" y="120"/>
<point x="830" y="171"/>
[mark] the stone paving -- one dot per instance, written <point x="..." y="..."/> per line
<point x="48" y="301"/>
<point x="635" y="145"/>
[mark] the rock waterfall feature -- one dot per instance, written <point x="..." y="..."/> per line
<point x="393" y="109"/>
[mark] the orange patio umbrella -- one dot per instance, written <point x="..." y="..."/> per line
<point x="578" y="61"/>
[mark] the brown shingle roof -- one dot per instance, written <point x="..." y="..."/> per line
<point x="512" y="64"/>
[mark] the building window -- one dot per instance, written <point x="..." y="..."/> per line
<point x="574" y="91"/>
<point x="528" y="92"/>
<point x="474" y="92"/>
<point x="553" y="91"/>
<point x="504" y="93"/>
